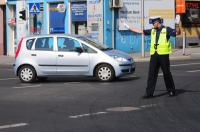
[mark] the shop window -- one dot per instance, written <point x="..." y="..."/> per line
<point x="36" y="22"/>
<point x="191" y="18"/>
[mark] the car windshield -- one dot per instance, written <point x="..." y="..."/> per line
<point x="98" y="45"/>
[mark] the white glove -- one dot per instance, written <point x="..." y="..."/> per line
<point x="127" y="26"/>
<point x="177" y="19"/>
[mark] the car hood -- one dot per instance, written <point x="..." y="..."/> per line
<point x="117" y="53"/>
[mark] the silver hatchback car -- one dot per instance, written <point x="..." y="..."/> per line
<point x="39" y="57"/>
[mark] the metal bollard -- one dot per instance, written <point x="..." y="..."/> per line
<point x="184" y="42"/>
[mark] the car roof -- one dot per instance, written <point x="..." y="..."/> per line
<point x="51" y="35"/>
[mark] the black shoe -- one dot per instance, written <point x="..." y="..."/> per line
<point x="147" y="96"/>
<point x="171" y="94"/>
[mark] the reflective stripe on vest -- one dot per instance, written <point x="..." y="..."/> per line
<point x="164" y="46"/>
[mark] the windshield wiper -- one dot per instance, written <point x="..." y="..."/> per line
<point x="105" y="49"/>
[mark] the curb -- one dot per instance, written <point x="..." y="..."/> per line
<point x="171" y="58"/>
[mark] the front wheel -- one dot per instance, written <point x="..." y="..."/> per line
<point x="105" y="73"/>
<point x="27" y="74"/>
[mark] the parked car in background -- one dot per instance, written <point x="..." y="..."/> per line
<point x="39" y="57"/>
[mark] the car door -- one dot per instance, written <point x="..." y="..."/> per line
<point x="44" y="55"/>
<point x="69" y="61"/>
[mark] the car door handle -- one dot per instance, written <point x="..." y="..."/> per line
<point x="33" y="55"/>
<point x="60" y="55"/>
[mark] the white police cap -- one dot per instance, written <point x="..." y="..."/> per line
<point x="155" y="18"/>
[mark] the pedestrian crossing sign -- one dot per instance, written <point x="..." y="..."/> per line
<point x="34" y="8"/>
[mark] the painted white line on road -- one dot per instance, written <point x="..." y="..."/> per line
<point x="30" y="86"/>
<point x="115" y="109"/>
<point x="4" y="79"/>
<point x="188" y="64"/>
<point x="148" y="105"/>
<point x="89" y="114"/>
<point x="13" y="125"/>
<point x="123" y="109"/>
<point x="194" y="71"/>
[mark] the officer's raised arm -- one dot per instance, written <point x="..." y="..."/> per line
<point x="133" y="28"/>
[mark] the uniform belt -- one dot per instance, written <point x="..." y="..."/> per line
<point x="156" y="46"/>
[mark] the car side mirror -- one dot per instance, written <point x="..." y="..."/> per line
<point x="78" y="49"/>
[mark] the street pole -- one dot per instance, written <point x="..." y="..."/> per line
<point x="113" y="29"/>
<point x="35" y="24"/>
<point x="184" y="42"/>
<point x="142" y="27"/>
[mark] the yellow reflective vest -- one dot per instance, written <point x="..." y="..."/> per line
<point x="164" y="46"/>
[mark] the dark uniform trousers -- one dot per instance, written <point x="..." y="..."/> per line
<point x="156" y="62"/>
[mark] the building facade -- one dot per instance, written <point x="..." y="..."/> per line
<point x="102" y="20"/>
<point x="2" y="27"/>
<point x="190" y="23"/>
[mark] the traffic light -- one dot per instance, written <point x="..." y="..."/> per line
<point x="22" y="14"/>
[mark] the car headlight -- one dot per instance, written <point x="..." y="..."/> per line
<point x="120" y="59"/>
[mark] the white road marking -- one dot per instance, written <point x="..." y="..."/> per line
<point x="147" y="106"/>
<point x="194" y="71"/>
<point x="13" y="125"/>
<point x="30" y="86"/>
<point x="4" y="79"/>
<point x="188" y="64"/>
<point x="123" y="109"/>
<point x="114" y="109"/>
<point x="89" y="114"/>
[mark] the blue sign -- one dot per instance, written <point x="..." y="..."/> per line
<point x="57" y="19"/>
<point x="79" y="11"/>
<point x="34" y="8"/>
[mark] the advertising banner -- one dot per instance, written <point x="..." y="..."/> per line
<point x="131" y="13"/>
<point x="56" y="25"/>
<point x="79" y="11"/>
<point x="163" y="8"/>
<point x="191" y="18"/>
<point x="180" y="6"/>
<point x="95" y="19"/>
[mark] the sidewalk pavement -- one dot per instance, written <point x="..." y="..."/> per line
<point x="177" y="54"/>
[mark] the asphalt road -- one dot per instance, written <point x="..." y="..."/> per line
<point x="85" y="105"/>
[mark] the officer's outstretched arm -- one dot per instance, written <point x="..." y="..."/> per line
<point x="133" y="28"/>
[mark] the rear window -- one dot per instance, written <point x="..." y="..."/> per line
<point x="29" y="43"/>
<point x="45" y="44"/>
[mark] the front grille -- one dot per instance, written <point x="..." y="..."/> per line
<point x="130" y="59"/>
<point x="126" y="65"/>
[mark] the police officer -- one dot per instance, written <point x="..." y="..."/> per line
<point x="160" y="49"/>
